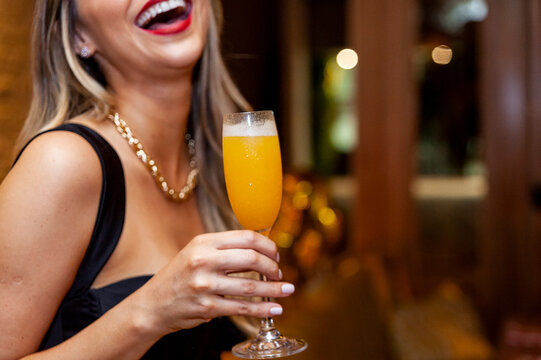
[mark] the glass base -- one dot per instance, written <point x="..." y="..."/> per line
<point x="267" y="345"/>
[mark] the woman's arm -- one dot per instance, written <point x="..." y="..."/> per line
<point x="48" y="205"/>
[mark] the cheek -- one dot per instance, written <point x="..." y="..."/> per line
<point x="97" y="18"/>
<point x="204" y="18"/>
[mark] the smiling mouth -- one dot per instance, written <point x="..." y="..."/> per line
<point x="162" y="14"/>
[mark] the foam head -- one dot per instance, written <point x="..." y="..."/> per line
<point x="258" y="123"/>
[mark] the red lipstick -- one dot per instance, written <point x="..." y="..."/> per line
<point x="165" y="17"/>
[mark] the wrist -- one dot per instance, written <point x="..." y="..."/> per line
<point x="143" y="321"/>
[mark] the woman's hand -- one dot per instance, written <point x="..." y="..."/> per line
<point x="191" y="290"/>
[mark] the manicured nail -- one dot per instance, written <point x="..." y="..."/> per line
<point x="276" y="311"/>
<point x="280" y="275"/>
<point x="288" y="289"/>
<point x="277" y="257"/>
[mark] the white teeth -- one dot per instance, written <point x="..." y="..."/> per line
<point x="157" y="9"/>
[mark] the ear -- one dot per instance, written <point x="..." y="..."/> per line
<point x="83" y="47"/>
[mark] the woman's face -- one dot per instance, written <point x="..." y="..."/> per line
<point x="144" y="39"/>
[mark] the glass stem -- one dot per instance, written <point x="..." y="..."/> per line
<point x="267" y="324"/>
<point x="267" y="330"/>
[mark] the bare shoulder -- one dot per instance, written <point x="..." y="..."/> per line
<point x="57" y="179"/>
<point x="48" y="207"/>
<point x="58" y="153"/>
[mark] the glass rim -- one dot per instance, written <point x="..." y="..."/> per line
<point x="244" y="114"/>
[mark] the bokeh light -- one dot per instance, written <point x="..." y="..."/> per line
<point x="347" y="59"/>
<point x="442" y="54"/>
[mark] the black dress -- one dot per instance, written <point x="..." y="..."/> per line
<point x="83" y="304"/>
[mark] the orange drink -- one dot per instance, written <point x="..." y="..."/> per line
<point x="253" y="175"/>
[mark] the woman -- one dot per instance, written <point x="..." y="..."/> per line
<point x="78" y="285"/>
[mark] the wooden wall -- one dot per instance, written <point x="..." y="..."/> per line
<point x="15" y="18"/>
<point x="510" y="252"/>
<point x="383" y="34"/>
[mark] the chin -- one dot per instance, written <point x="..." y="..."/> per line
<point x="185" y="55"/>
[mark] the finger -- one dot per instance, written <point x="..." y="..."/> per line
<point x="236" y="260"/>
<point x="246" y="239"/>
<point x="232" y="286"/>
<point x="259" y="309"/>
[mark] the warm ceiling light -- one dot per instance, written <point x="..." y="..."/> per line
<point x="347" y="59"/>
<point x="442" y="54"/>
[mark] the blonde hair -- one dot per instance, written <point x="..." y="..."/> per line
<point x="65" y="86"/>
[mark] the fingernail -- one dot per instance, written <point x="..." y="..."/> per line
<point x="288" y="289"/>
<point x="276" y="311"/>
<point x="280" y="275"/>
<point x="277" y="257"/>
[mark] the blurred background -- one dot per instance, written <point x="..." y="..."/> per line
<point x="411" y="141"/>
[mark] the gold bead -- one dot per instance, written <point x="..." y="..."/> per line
<point x="191" y="182"/>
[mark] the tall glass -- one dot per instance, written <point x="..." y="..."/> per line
<point x="253" y="176"/>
